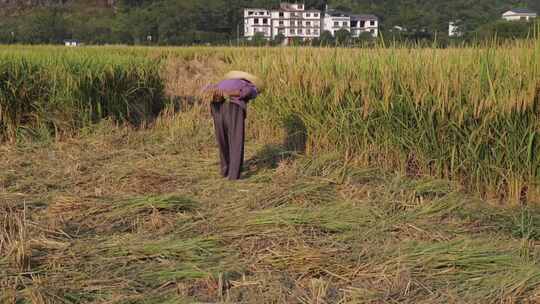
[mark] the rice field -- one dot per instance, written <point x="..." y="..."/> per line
<point x="466" y="114"/>
<point x="384" y="175"/>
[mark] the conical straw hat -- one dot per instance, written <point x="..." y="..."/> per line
<point x="247" y="76"/>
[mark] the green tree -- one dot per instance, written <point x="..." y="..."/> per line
<point x="44" y="26"/>
<point x="505" y="30"/>
<point x="94" y="30"/>
<point x="297" y="41"/>
<point x="343" y="37"/>
<point x="258" y="39"/>
<point x="278" y="40"/>
<point x="327" y="38"/>
<point x="8" y="31"/>
<point x="364" y="39"/>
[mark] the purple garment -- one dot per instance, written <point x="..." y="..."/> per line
<point x="247" y="90"/>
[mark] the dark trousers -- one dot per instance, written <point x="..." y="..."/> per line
<point x="229" y="126"/>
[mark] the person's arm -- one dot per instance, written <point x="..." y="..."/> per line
<point x="233" y="93"/>
<point x="248" y="92"/>
<point x="212" y="93"/>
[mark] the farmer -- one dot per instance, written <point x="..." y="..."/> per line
<point x="229" y="100"/>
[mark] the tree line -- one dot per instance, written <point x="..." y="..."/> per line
<point x="185" y="22"/>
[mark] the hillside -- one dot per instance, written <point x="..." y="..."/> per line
<point x="189" y="21"/>
<point x="48" y="3"/>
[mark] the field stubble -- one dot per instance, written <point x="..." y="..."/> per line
<point x="375" y="211"/>
<point x="119" y="216"/>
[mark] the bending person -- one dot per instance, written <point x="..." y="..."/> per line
<point x="229" y="104"/>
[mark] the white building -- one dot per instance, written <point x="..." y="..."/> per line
<point x="257" y="21"/>
<point x="292" y="20"/>
<point x="519" y="14"/>
<point x="398" y="28"/>
<point x="364" y="24"/>
<point x="335" y="21"/>
<point x="71" y="43"/>
<point x="454" y="29"/>
<point x="356" y="24"/>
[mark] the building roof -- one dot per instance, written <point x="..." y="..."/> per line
<point x="291" y="6"/>
<point x="363" y="17"/>
<point x="522" y="11"/>
<point x="336" y="13"/>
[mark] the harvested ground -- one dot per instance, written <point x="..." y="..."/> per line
<point x="125" y="216"/>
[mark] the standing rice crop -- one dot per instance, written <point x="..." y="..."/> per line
<point x="59" y="92"/>
<point x="470" y="114"/>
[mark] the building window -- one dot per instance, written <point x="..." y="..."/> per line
<point x="308" y="32"/>
<point x="372" y="23"/>
<point x="256" y="20"/>
<point x="362" y="23"/>
<point x="281" y="31"/>
<point x="336" y="23"/>
<point x="293" y="31"/>
<point x="265" y="21"/>
<point x="316" y="15"/>
<point x="281" y="23"/>
<point x="281" y="14"/>
<point x="315" y="32"/>
<point x="345" y="23"/>
<point x="308" y="23"/>
<point x="301" y="6"/>
<point x="308" y="15"/>
<point x="261" y="13"/>
<point x="300" y="31"/>
<point x="250" y="13"/>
